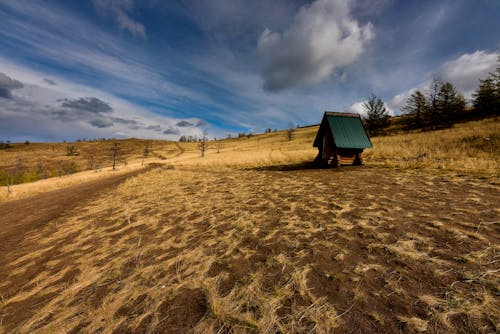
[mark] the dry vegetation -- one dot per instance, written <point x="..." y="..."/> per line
<point x="467" y="148"/>
<point x="237" y="242"/>
<point x="38" y="161"/>
<point x="50" y="164"/>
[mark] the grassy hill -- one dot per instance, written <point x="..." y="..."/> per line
<point x="234" y="242"/>
<point x="471" y="147"/>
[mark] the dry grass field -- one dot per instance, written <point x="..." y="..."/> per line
<point x="252" y="239"/>
<point x="468" y="148"/>
<point x="38" y="161"/>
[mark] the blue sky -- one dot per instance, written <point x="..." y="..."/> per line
<point x="161" y="69"/>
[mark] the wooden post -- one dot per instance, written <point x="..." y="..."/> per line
<point x="357" y="160"/>
<point x="335" y="161"/>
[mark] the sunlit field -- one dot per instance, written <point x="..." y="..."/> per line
<point x="254" y="238"/>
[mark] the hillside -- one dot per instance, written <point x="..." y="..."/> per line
<point x="472" y="148"/>
<point x="251" y="239"/>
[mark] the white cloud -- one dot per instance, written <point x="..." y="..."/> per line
<point x="359" y="109"/>
<point x="465" y="71"/>
<point x="322" y="38"/>
<point x="399" y="101"/>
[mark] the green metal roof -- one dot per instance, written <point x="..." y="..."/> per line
<point x="348" y="131"/>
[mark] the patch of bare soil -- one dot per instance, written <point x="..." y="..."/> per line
<point x="32" y="215"/>
<point x="352" y="251"/>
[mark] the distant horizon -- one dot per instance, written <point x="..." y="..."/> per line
<point x="135" y="138"/>
<point x="151" y="70"/>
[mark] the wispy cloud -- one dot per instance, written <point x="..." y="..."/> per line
<point x="465" y="71"/>
<point x="222" y="91"/>
<point x="120" y="10"/>
<point x="96" y="115"/>
<point x="50" y="82"/>
<point x="204" y="62"/>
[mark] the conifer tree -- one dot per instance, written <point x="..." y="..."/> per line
<point x="486" y="99"/>
<point x="450" y="105"/>
<point x="416" y="107"/>
<point x="377" y="117"/>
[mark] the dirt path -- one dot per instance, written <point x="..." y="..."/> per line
<point x="34" y="212"/>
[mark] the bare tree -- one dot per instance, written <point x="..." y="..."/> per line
<point x="203" y="144"/>
<point x="289" y="132"/>
<point x="90" y="161"/>
<point x="115" y="154"/>
<point x="145" y="153"/>
<point x="432" y="114"/>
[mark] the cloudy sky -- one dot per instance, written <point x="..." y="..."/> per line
<point x="161" y="69"/>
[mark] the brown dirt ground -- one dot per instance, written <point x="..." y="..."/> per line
<point x="31" y="214"/>
<point x="352" y="251"/>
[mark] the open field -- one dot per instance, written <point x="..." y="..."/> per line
<point x="251" y="239"/>
<point x="363" y="249"/>
<point x="39" y="161"/>
<point x="466" y="149"/>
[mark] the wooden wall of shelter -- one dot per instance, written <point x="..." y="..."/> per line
<point x="341" y="139"/>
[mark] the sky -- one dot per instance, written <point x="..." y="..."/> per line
<point x="161" y="69"/>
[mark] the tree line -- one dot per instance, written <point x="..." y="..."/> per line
<point x="440" y="106"/>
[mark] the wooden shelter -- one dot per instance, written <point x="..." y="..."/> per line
<point x="341" y="139"/>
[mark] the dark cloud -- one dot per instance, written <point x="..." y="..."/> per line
<point x="171" y="131"/>
<point x="154" y="128"/>
<point x="88" y="104"/>
<point x="50" y="82"/>
<point x="125" y="121"/>
<point x="5" y="93"/>
<point x="7" y="84"/>
<point x="184" y="124"/>
<point x="101" y="122"/>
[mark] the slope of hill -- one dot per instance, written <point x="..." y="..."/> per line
<point x="230" y="243"/>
